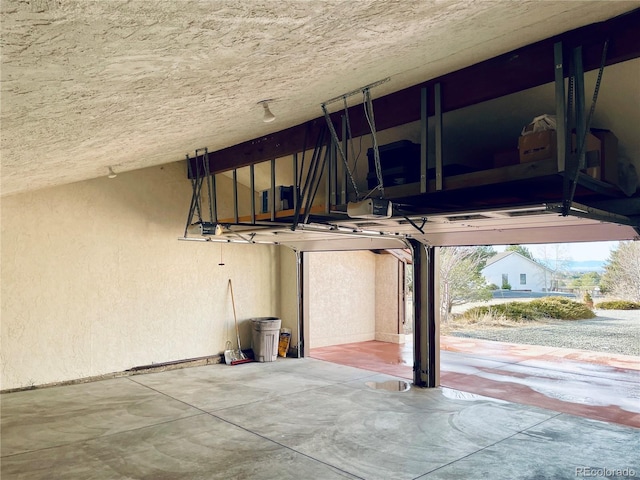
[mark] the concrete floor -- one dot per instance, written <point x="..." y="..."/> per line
<point x="293" y="418"/>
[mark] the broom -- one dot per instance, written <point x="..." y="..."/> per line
<point x="240" y="357"/>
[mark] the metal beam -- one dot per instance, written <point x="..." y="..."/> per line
<point x="584" y="211"/>
<point x="512" y="72"/>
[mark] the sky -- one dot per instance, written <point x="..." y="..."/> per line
<point x="578" y="252"/>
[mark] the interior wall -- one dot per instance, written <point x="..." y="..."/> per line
<point x="388" y="281"/>
<point x="288" y="311"/>
<point x="95" y="281"/>
<point x="341" y="298"/>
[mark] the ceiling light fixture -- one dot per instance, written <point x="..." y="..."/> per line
<point x="268" y="116"/>
<point x="112" y="174"/>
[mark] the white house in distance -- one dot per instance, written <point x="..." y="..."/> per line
<point x="518" y="271"/>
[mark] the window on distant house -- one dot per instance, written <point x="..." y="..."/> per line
<point x="523" y="279"/>
<point x="505" y="280"/>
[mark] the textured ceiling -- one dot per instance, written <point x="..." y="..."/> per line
<point x="88" y="84"/>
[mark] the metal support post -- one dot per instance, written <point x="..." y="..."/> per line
<point x="215" y="198"/>
<point x="296" y="184"/>
<point x="424" y="140"/>
<point x="581" y="120"/>
<point x="273" y="190"/>
<point x="253" y="192"/>
<point x="344" y="180"/>
<point x="299" y="302"/>
<point x="235" y="195"/>
<point x="426" y="354"/>
<point x="303" y="307"/>
<point x="438" y="118"/>
<point x="561" y="119"/>
<point x="327" y="201"/>
<point x="334" y="174"/>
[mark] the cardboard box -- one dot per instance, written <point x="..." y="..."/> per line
<point x="537" y="146"/>
<point x="542" y="145"/>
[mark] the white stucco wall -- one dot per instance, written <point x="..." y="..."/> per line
<point x="341" y="297"/>
<point x="513" y="265"/>
<point x="95" y="281"/>
<point x="288" y="306"/>
<point x="388" y="283"/>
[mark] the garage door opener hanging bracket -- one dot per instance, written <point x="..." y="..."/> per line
<point x="199" y="172"/>
<point x="368" y="112"/>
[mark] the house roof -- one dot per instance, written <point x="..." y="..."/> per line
<point x="498" y="257"/>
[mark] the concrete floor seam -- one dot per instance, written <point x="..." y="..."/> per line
<point x="284" y="446"/>
<point x="523" y="431"/>
<point x="213" y="415"/>
<point x="169" y="396"/>
<point x="108" y="435"/>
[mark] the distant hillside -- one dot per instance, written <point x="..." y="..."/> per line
<point x="584" y="265"/>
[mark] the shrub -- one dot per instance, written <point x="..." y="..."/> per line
<point x="618" y="305"/>
<point x="562" y="308"/>
<point x="506" y="286"/>
<point x="493" y="286"/>
<point x="547" y="307"/>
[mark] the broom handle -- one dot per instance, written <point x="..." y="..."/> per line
<point x="235" y="318"/>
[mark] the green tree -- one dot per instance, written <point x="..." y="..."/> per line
<point x="484" y="253"/>
<point x="524" y="251"/>
<point x="622" y="272"/>
<point x="590" y="279"/>
<point x="585" y="281"/>
<point x="461" y="280"/>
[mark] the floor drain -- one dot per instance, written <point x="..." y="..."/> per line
<point x="390" y="386"/>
